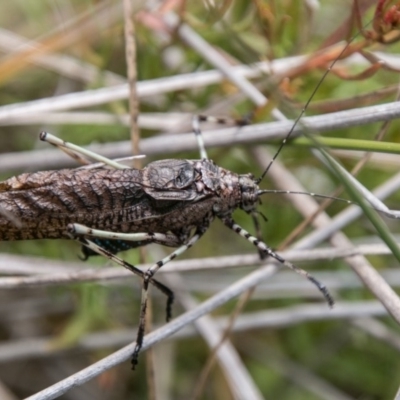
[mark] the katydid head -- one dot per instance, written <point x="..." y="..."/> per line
<point x="249" y="193"/>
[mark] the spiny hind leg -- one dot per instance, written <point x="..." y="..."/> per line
<point x="165" y="239"/>
<point x="81" y="234"/>
<point x="105" y="253"/>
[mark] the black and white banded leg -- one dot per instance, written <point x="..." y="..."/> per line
<point x="198" y="119"/>
<point x="148" y="276"/>
<point x="230" y="223"/>
<point x="199" y="137"/>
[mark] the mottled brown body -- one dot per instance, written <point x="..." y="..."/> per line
<point x="171" y="202"/>
<point x="166" y="196"/>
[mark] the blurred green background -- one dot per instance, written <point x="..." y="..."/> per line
<point x="321" y="359"/>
